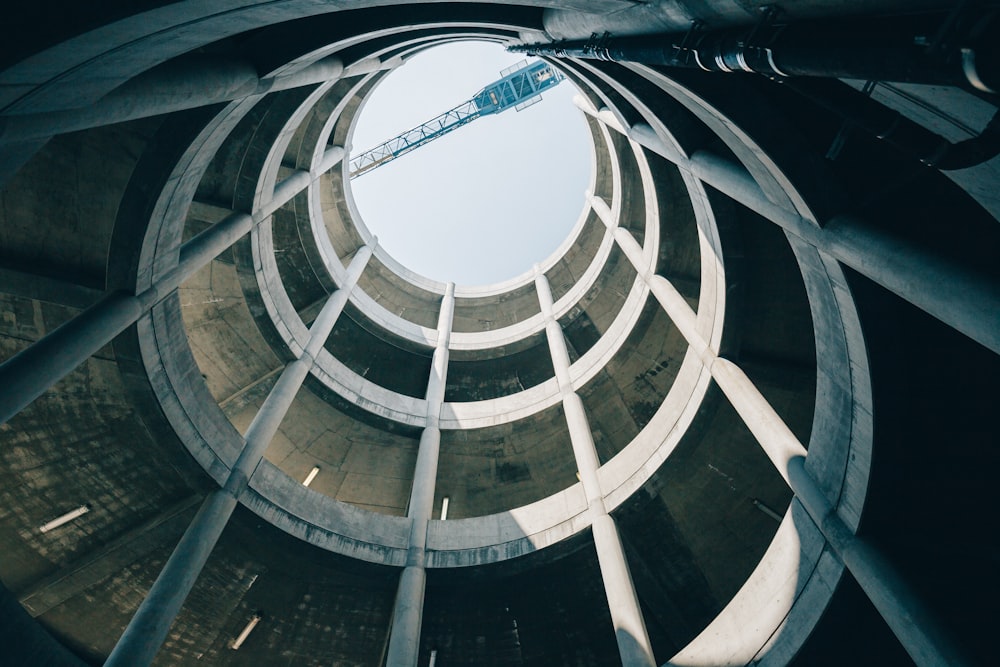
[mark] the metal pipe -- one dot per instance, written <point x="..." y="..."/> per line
<point x="895" y="49"/>
<point x="873" y="117"/>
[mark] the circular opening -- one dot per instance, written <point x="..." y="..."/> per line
<point x="481" y="203"/>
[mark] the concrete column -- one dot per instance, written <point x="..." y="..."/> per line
<point x="373" y="64"/>
<point x="626" y="615"/>
<point x="331" y="157"/>
<point x="905" y="614"/>
<point x="630" y="628"/>
<point x="407" y="616"/>
<point x="920" y="634"/>
<point x="954" y="294"/>
<point x="186" y="82"/>
<point x="943" y="288"/>
<point x="183" y="83"/>
<point x="148" y="628"/>
<point x="422" y="492"/>
<point x="146" y="631"/>
<point x="29" y="373"/>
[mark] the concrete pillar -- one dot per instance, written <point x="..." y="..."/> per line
<point x="916" y="630"/>
<point x="373" y="64"/>
<point x="943" y="288"/>
<point x="920" y="633"/>
<point x="626" y="615"/>
<point x="183" y="83"/>
<point x="331" y="157"/>
<point x="29" y="373"/>
<point x="407" y="618"/>
<point x="148" y="628"/>
<point x="146" y="631"/>
<point x="630" y="628"/>
<point x="407" y="615"/>
<point x="954" y="294"/>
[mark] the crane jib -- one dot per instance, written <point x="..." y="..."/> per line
<point x="519" y="86"/>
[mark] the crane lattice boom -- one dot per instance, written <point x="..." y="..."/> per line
<point x="520" y="86"/>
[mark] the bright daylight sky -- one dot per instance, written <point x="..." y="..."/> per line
<point x="485" y="202"/>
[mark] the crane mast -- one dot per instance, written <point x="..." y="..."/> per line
<point x="519" y="87"/>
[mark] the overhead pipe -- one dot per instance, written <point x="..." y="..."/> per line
<point x="864" y="113"/>
<point x="899" y="49"/>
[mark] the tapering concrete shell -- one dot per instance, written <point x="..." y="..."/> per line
<point x="715" y="427"/>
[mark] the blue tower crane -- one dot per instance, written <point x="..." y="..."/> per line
<point x="519" y="87"/>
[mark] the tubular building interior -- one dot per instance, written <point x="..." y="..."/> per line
<point x="745" y="415"/>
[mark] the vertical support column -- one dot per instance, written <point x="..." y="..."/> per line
<point x="187" y="82"/>
<point x="955" y="294"/>
<point x="331" y="157"/>
<point x="904" y="613"/>
<point x="148" y="628"/>
<point x="31" y="372"/>
<point x="407" y="616"/>
<point x="630" y="628"/>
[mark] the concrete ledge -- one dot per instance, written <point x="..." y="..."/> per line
<point x="498" y="537"/>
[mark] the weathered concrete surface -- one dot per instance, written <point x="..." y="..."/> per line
<point x="694" y="529"/>
<point x="80" y="206"/>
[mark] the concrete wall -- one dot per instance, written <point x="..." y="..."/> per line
<point x="727" y="566"/>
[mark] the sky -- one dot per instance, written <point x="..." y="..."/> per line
<point x="487" y="201"/>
